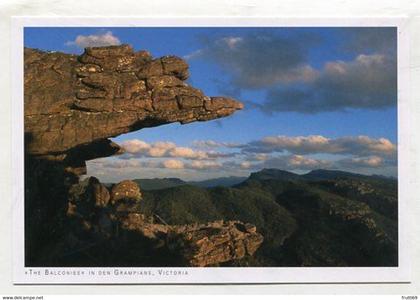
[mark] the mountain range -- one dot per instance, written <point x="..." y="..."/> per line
<point x="163" y="183"/>
<point x="323" y="218"/>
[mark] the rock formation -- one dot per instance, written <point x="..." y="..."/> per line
<point x="73" y="105"/>
<point x="201" y="244"/>
<point x="196" y="244"/>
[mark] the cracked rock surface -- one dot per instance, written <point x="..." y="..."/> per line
<point x="72" y="100"/>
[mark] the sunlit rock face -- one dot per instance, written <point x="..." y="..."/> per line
<point x="72" y="101"/>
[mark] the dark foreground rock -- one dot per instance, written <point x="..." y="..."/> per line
<point x="90" y="221"/>
<point x="73" y="104"/>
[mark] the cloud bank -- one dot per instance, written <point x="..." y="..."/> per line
<point x="138" y="148"/>
<point x="367" y="82"/>
<point x="281" y="67"/>
<point x="209" y="159"/>
<point x="316" y="144"/>
<point x="258" y="61"/>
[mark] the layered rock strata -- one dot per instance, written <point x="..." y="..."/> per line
<point x="71" y="101"/>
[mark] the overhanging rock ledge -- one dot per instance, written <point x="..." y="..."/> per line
<point x="73" y="105"/>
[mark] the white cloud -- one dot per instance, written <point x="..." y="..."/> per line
<point x="232" y="41"/>
<point x="381" y="145"/>
<point x="185" y="152"/>
<point x="95" y="40"/>
<point x="310" y="143"/>
<point x="193" y="54"/>
<point x="373" y="161"/>
<point x="160" y="149"/>
<point x="299" y="161"/>
<point x="245" y="165"/>
<point x="141" y="148"/>
<point x="164" y="145"/>
<point x="207" y="144"/>
<point x="294" y="162"/>
<point x="157" y="152"/>
<point x="368" y="162"/>
<point x="135" y="146"/>
<point x="173" y="164"/>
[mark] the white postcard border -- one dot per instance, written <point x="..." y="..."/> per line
<point x="23" y="275"/>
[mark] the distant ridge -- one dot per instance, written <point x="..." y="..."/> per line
<point x="322" y="174"/>
<point x="267" y="174"/>
<point x="164" y="183"/>
<point x="221" y="181"/>
<point x="264" y="174"/>
<point x="314" y="175"/>
<point x="159" y="183"/>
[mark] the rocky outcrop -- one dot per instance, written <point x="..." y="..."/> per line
<point x="73" y="101"/>
<point x="73" y="104"/>
<point x="216" y="242"/>
<point x="201" y="245"/>
<point x="197" y="245"/>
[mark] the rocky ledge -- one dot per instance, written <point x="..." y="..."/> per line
<point x="74" y="102"/>
<point x="73" y="105"/>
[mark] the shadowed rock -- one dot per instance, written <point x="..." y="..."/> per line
<point x="197" y="245"/>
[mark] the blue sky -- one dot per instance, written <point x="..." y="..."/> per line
<point x="314" y="98"/>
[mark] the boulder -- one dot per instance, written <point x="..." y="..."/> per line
<point x="125" y="190"/>
<point x="87" y="195"/>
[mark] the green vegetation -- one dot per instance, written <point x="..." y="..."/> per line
<point x="164" y="183"/>
<point x="222" y="181"/>
<point x="158" y="183"/>
<point x="321" y="219"/>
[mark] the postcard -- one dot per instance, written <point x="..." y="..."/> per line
<point x="209" y="150"/>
